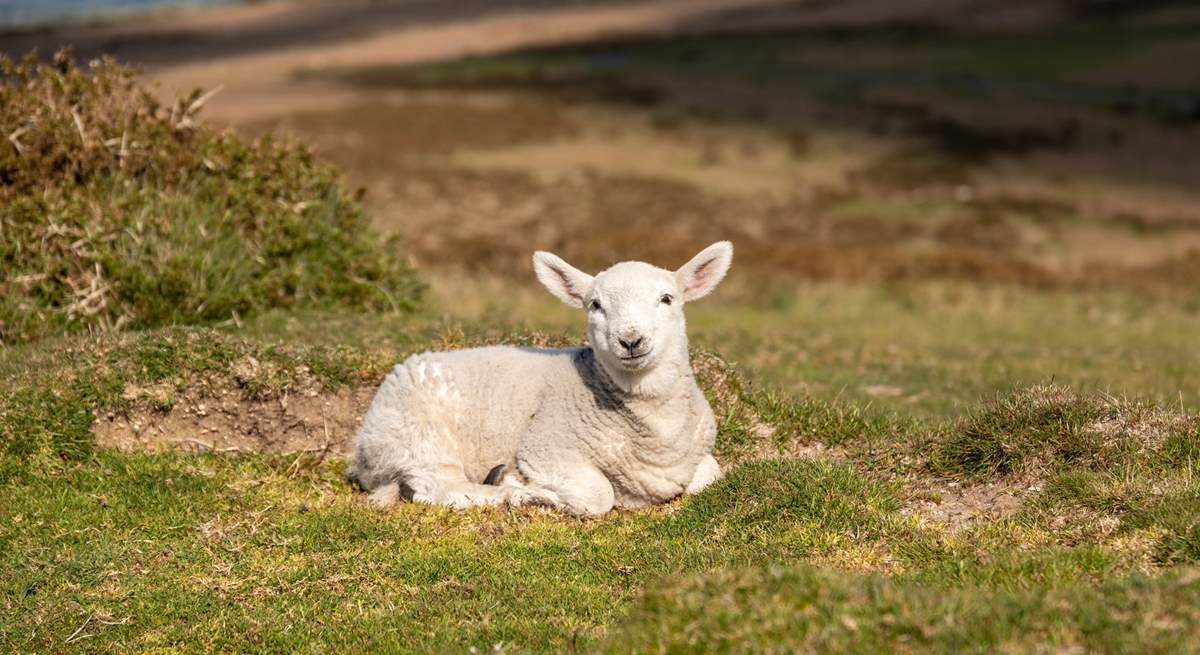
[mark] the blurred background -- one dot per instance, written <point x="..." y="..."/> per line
<point x="931" y="200"/>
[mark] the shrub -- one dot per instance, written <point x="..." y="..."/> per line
<point x="121" y="212"/>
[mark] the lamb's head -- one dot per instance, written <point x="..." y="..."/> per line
<point x="634" y="309"/>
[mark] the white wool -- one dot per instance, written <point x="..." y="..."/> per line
<point x="618" y="423"/>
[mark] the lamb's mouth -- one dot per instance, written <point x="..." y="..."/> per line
<point x="635" y="359"/>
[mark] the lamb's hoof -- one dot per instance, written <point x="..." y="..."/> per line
<point x="538" y="497"/>
<point x="494" y="476"/>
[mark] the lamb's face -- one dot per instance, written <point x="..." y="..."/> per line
<point x="635" y="314"/>
<point x="635" y="310"/>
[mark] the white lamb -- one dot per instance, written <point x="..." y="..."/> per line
<point x="620" y="423"/>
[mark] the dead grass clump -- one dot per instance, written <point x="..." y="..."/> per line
<point x="122" y="212"/>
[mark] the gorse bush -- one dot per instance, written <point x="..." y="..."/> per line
<point x="121" y="212"/>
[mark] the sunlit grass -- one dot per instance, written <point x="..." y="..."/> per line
<point x="922" y="349"/>
<point x="124" y="551"/>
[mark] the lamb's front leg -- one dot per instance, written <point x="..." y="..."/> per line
<point x="576" y="488"/>
<point x="708" y="472"/>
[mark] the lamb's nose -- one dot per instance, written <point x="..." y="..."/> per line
<point x="630" y="345"/>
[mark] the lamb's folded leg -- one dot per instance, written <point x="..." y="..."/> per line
<point x="456" y="493"/>
<point x="708" y="472"/>
<point x="576" y="488"/>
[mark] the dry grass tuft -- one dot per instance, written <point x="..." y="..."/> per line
<point x="120" y="212"/>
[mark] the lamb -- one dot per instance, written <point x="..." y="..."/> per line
<point x="620" y="422"/>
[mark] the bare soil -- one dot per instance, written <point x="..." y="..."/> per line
<point x="957" y="504"/>
<point x="314" y="422"/>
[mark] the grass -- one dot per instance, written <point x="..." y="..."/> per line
<point x="251" y="552"/>
<point x="804" y="609"/>
<point x="269" y="552"/>
<point x="925" y="349"/>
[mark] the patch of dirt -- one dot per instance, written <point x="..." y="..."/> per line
<point x="814" y="450"/>
<point x="318" y="422"/>
<point x="957" y="504"/>
<point x="489" y="219"/>
<point x="726" y="166"/>
<point x="404" y="33"/>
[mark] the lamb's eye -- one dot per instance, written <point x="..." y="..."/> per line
<point x="595" y="306"/>
<point x="666" y="299"/>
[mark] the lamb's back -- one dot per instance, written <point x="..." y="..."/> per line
<point x="495" y="392"/>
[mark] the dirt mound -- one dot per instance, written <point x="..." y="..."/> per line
<point x="322" y="422"/>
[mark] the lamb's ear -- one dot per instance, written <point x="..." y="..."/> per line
<point x="566" y="282"/>
<point x="706" y="270"/>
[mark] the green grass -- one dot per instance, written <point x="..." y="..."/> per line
<point x="804" y="609"/>
<point x="249" y="547"/>
<point x="262" y="552"/>
<point x="925" y="350"/>
<point x="934" y="349"/>
<point x="256" y="553"/>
